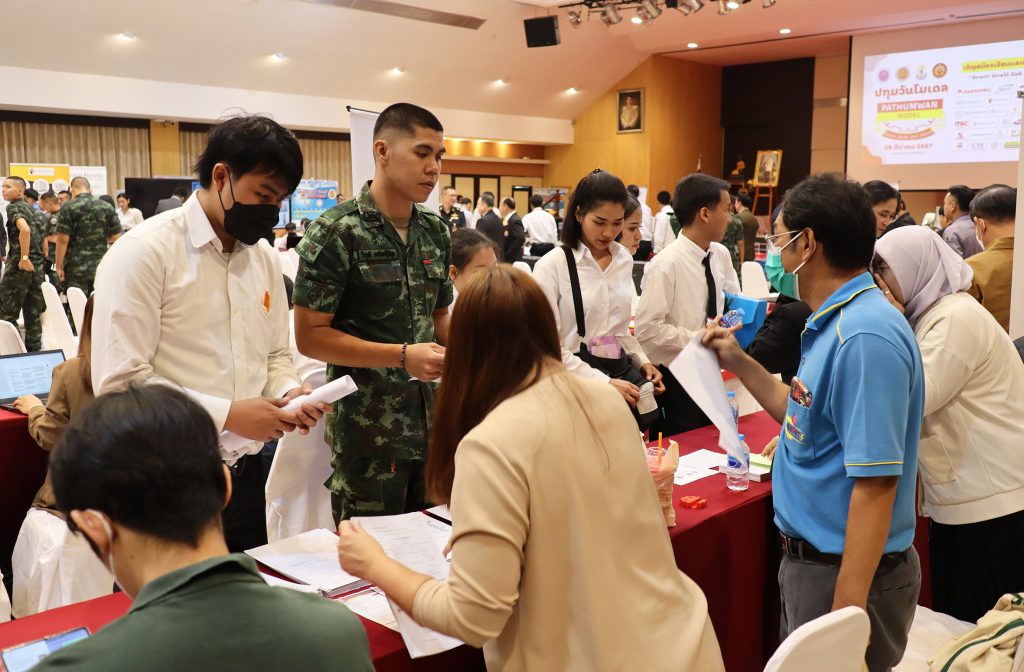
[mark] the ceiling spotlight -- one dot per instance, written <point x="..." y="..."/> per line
<point x="278" y="56"/>
<point x="732" y="4"/>
<point x="610" y="16"/>
<point x="502" y="82"/>
<point x="572" y="91"/>
<point x="767" y="3"/>
<point x="648" y="11"/>
<point x="575" y="19"/>
<point x="127" y="36"/>
<point x="689" y="6"/>
<point x="692" y="45"/>
<point x="785" y="31"/>
<point x="397" y="70"/>
<point x="723" y="8"/>
<point x="637" y="20"/>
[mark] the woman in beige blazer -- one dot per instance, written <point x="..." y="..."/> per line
<point x="560" y="555"/>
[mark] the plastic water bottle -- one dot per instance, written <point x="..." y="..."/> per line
<point x="735" y="406"/>
<point x="737" y="470"/>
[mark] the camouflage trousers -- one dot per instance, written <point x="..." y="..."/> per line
<point x="84" y="281"/>
<point x="376" y="486"/>
<point x="20" y="293"/>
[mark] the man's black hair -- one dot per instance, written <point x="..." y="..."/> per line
<point x="148" y="458"/>
<point x="995" y="204"/>
<point x="32" y="193"/>
<point x="664" y="198"/>
<point x="180" y="192"/>
<point x="694" y="192"/>
<point x="405" y="117"/>
<point x="251" y="144"/>
<point x="962" y="194"/>
<point x="536" y="201"/>
<point x="839" y="213"/>
<point x="508" y="203"/>
<point x="488" y="199"/>
<point x="634" y="191"/>
<point x="745" y="200"/>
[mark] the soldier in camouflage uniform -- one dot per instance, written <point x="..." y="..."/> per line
<point x="371" y="302"/>
<point x="19" y="288"/>
<point x="49" y="206"/>
<point x="85" y="227"/>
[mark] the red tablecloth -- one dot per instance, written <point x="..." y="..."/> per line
<point x="22" y="470"/>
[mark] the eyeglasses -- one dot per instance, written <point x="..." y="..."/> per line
<point x="775" y="247"/>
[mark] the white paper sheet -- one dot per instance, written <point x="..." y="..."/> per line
<point x="702" y="459"/>
<point x="290" y="585"/>
<point x="696" y="368"/>
<point x="413" y="540"/>
<point x="685" y="474"/>
<point x="310" y="558"/>
<point x="373" y="606"/>
<point x="441" y="512"/>
<point x="328" y="394"/>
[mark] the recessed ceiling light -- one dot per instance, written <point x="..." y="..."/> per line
<point x="732" y="4"/>
<point x="502" y="82"/>
<point x="397" y="70"/>
<point x="692" y="45"/>
<point x="278" y="56"/>
<point x="127" y="36"/>
<point x="785" y="31"/>
<point x="572" y="91"/>
<point x="637" y="20"/>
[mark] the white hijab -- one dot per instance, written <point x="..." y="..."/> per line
<point x="925" y="267"/>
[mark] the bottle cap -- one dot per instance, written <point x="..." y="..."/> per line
<point x="730" y="394"/>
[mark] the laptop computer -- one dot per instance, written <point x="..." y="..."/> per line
<point x="27" y="373"/>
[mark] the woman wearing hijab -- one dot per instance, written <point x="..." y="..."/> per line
<point x="972" y="439"/>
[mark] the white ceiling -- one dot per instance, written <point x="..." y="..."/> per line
<point x="345" y="53"/>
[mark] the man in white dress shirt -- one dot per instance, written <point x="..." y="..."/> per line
<point x="684" y="286"/>
<point x="541" y="229"/>
<point x="646" y="226"/>
<point x="195" y="299"/>
<point x="664" y="233"/>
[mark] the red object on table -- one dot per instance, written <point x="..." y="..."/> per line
<point x="22" y="471"/>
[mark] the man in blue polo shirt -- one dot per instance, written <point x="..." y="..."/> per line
<point x="845" y="469"/>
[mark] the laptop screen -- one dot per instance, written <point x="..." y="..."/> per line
<point x="29" y="373"/>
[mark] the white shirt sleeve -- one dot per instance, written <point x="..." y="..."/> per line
<point x="660" y="339"/>
<point x="545" y="274"/>
<point x="662" y="232"/>
<point x="126" y="324"/>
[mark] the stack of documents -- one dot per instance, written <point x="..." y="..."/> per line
<point x="310" y="558"/>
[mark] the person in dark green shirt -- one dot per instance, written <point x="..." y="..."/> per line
<point x="139" y="473"/>
<point x="371" y="299"/>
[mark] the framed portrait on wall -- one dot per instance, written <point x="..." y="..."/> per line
<point x="629" y="115"/>
<point x="766" y="170"/>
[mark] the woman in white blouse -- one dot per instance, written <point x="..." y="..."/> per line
<point x="128" y="216"/>
<point x="593" y="219"/>
<point x="971" y="457"/>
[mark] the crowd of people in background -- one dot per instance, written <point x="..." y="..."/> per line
<point x="886" y="356"/>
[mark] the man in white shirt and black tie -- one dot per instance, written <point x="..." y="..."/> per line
<point x="684" y="286"/>
<point x="541" y="228"/>
<point x="194" y="298"/>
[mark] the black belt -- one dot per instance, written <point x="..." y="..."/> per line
<point x="803" y="550"/>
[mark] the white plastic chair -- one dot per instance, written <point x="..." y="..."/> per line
<point x="523" y="266"/>
<point x="840" y="637"/>
<point x="53" y="567"/>
<point x="10" y="339"/>
<point x="297" y="499"/>
<point x="76" y="301"/>
<point x="57" y="334"/>
<point x="755" y="284"/>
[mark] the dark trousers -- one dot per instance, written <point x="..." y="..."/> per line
<point x="807" y="589"/>
<point x="540" y="249"/>
<point x="245" y="517"/>
<point x="679" y="412"/>
<point x="644" y="251"/>
<point x="377" y="486"/>
<point x="973" y="565"/>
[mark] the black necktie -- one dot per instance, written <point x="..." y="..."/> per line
<point x="712" y="292"/>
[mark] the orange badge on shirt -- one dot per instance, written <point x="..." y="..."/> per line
<point x="266" y="301"/>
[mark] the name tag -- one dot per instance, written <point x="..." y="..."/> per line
<point x="375" y="255"/>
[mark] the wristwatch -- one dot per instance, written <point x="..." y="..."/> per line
<point x="24" y="257"/>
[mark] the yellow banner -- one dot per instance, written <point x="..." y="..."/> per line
<point x="43" y="176"/>
<point x="909" y="114"/>
<point x="1015" y="63"/>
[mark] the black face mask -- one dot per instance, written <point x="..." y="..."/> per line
<point x="248" y="222"/>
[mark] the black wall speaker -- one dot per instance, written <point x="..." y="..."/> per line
<point x="542" y="32"/>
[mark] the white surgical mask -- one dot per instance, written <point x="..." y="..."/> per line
<point x="110" y="547"/>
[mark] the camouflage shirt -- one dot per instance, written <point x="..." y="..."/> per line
<point x="89" y="222"/>
<point x="20" y="209"/>
<point x="355" y="266"/>
<point x="732" y="239"/>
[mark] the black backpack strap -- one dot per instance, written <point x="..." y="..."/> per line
<point x="577" y="295"/>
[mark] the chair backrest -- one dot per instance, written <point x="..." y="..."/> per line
<point x="76" y="302"/>
<point x="755" y="284"/>
<point x="56" y="328"/>
<point x="840" y="637"/>
<point x="10" y="339"/>
<point x="522" y="266"/>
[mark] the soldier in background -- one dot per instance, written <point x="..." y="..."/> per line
<point x="450" y="211"/>
<point x="19" y="288"/>
<point x="49" y="206"/>
<point x="85" y="227"/>
<point x="371" y="299"/>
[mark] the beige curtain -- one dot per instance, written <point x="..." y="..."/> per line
<point x="323" y="159"/>
<point x="124" y="151"/>
<point x="192" y="144"/>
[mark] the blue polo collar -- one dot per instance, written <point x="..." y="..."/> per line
<point x="840" y="298"/>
